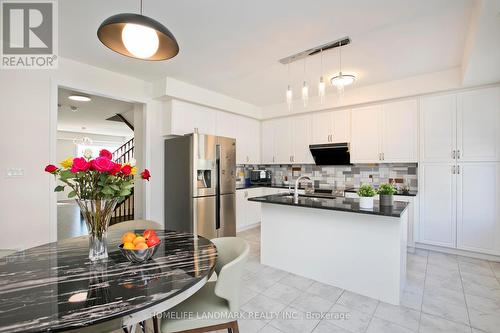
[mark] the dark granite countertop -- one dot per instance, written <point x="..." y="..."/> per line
<point x="339" y="204"/>
<point x="243" y="187"/>
<point x="409" y="194"/>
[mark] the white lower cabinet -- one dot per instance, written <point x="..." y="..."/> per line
<point x="460" y="206"/>
<point x="248" y="213"/>
<point x="412" y="213"/>
<point x="478" y="207"/>
<point x="437" y="204"/>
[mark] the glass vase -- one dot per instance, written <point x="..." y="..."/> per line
<point x="97" y="214"/>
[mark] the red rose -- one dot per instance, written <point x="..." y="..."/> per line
<point x="102" y="164"/>
<point x="51" y="168"/>
<point x="126" y="169"/>
<point x="106" y="153"/>
<point x="80" y="164"/>
<point x="116" y="168"/>
<point x="145" y="174"/>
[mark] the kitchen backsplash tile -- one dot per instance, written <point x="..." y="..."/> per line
<point x="339" y="177"/>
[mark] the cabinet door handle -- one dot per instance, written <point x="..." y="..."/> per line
<point x="453" y="169"/>
<point x="458" y="169"/>
<point x="458" y="154"/>
<point x="453" y="154"/>
<point x="383" y="157"/>
<point x="380" y="156"/>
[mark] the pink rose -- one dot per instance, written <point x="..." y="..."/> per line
<point x="106" y="153"/>
<point x="102" y="164"/>
<point x="116" y="168"/>
<point x="80" y="164"/>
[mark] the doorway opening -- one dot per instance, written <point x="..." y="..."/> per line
<point x="91" y="124"/>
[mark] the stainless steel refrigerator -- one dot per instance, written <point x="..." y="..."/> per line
<point x="200" y="185"/>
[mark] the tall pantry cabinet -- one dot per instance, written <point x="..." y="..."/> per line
<point x="460" y="170"/>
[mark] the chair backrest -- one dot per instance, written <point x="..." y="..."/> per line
<point x="232" y="253"/>
<point x="135" y="224"/>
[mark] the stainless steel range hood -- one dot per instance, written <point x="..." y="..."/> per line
<point x="331" y="154"/>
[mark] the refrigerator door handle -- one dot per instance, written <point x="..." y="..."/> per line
<point x="217" y="188"/>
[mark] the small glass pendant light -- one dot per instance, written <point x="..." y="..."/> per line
<point x="289" y="93"/>
<point x="305" y="88"/>
<point x="321" y="84"/>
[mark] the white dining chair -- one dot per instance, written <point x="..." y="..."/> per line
<point x="214" y="306"/>
<point x="135" y="225"/>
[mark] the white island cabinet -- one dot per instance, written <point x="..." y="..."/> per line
<point x="334" y="242"/>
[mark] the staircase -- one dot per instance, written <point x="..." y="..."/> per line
<point x="124" y="211"/>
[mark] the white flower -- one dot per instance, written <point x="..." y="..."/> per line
<point x="87" y="153"/>
<point x="132" y="162"/>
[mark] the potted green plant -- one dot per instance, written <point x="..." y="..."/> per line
<point x="366" y="194"/>
<point x="386" y="192"/>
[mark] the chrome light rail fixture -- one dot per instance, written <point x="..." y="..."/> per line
<point x="339" y="81"/>
<point x="138" y="36"/>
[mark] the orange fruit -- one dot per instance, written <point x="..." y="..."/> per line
<point x="128" y="237"/>
<point x="128" y="246"/>
<point x="139" y="239"/>
<point x="141" y="246"/>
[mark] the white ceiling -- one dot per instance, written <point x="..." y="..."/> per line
<point x="233" y="47"/>
<point x="91" y="116"/>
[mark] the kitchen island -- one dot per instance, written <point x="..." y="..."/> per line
<point x="334" y="241"/>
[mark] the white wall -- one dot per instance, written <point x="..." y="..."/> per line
<point x="28" y="109"/>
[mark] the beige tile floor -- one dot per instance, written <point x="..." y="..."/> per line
<point x="444" y="293"/>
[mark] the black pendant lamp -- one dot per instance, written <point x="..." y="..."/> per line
<point x="138" y="36"/>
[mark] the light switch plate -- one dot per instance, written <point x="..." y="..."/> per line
<point x="15" y="173"/>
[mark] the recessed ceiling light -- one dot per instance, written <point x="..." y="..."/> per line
<point x="73" y="108"/>
<point x="80" y="98"/>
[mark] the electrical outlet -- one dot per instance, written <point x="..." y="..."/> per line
<point x="15" y="173"/>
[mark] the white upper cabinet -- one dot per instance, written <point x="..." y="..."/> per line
<point x="283" y="141"/>
<point x="461" y="127"/>
<point x="301" y="138"/>
<point x="267" y="142"/>
<point x="366" y="134"/>
<point x="385" y="133"/>
<point x="286" y="140"/>
<point x="186" y="117"/>
<point x="331" y="127"/>
<point x="246" y="131"/>
<point x="478" y="125"/>
<point x="321" y="127"/>
<point x="399" y="131"/>
<point x="478" y="207"/>
<point x="341" y="126"/>
<point x="437" y="128"/>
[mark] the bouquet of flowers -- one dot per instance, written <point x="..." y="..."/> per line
<point x="97" y="185"/>
<point x="98" y="178"/>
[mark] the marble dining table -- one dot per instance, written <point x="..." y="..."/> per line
<point x="55" y="287"/>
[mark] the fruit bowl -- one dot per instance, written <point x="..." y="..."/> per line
<point x="139" y="256"/>
<point x="139" y="247"/>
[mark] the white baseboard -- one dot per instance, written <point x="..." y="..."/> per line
<point x="247" y="227"/>
<point x="459" y="252"/>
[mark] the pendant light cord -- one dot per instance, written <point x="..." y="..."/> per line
<point x="141" y="7"/>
